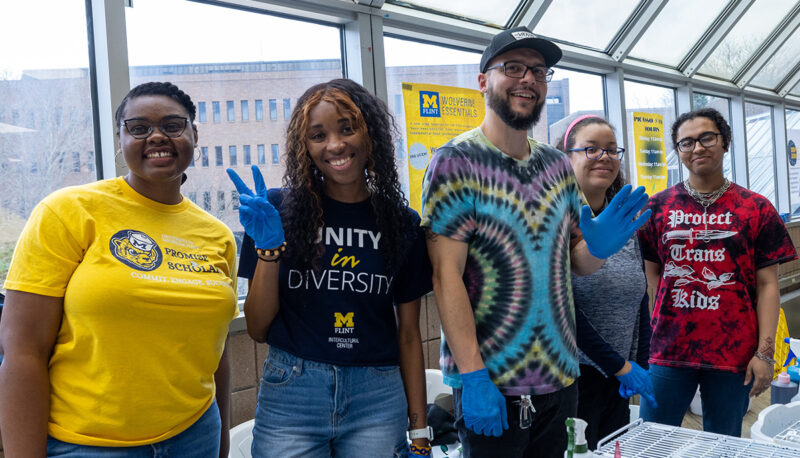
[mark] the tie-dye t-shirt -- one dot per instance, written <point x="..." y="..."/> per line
<point x="517" y="217"/>
<point x="705" y="306"/>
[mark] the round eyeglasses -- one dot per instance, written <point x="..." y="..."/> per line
<point x="141" y="129"/>
<point x="707" y="139"/>
<point x="595" y="152"/>
<point x="541" y="73"/>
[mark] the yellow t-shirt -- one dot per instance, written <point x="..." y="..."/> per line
<point x="149" y="291"/>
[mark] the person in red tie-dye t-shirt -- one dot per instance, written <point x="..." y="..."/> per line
<point x="711" y="250"/>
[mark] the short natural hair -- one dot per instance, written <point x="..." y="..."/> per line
<point x="709" y="113"/>
<point x="157" y="88"/>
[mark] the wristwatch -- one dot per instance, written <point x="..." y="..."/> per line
<point x="422" y="433"/>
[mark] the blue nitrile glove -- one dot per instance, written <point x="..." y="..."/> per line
<point x="609" y="231"/>
<point x="625" y="391"/>
<point x="482" y="404"/>
<point x="637" y="380"/>
<point x="260" y="219"/>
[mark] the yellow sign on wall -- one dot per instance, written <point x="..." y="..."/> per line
<point x="434" y="115"/>
<point x="651" y="155"/>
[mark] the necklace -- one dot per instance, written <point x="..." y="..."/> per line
<point x="705" y="199"/>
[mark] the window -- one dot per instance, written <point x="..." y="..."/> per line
<point x="273" y="109"/>
<point x="232" y="153"/>
<point x="259" y="110"/>
<point x="792" y="147"/>
<point x="193" y="196"/>
<point x="275" y="157"/>
<point x="204" y="156"/>
<point x="760" y="150"/>
<point x="411" y="62"/>
<point x="564" y="17"/>
<point x="76" y="161"/>
<point x="221" y="201"/>
<point x="36" y="163"/>
<point x="723" y="105"/>
<point x="245" y="111"/>
<point x="643" y="152"/>
<point x="206" y="201"/>
<point x="215" y="109"/>
<point x="287" y="109"/>
<point x="250" y="56"/>
<point x="569" y="94"/>
<point x="246" y="152"/>
<point x="235" y="200"/>
<point x="262" y="158"/>
<point x="231" y="114"/>
<point x="675" y="30"/>
<point x="201" y="111"/>
<point x="90" y="161"/>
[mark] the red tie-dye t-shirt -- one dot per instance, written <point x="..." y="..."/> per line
<point x="705" y="307"/>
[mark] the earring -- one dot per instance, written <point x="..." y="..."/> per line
<point x="197" y="153"/>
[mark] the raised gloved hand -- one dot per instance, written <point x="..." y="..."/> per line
<point x="482" y="404"/>
<point x="638" y="381"/>
<point x="260" y="219"/>
<point x="609" y="231"/>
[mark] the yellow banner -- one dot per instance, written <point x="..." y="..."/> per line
<point x="651" y="155"/>
<point x="434" y="115"/>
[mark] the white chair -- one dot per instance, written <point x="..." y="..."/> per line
<point x="434" y="384"/>
<point x="241" y="440"/>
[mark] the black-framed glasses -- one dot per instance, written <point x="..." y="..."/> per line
<point x="707" y="139"/>
<point x="595" y="152"/>
<point x="512" y="69"/>
<point x="171" y="127"/>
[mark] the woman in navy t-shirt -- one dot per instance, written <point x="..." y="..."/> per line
<point x="338" y="265"/>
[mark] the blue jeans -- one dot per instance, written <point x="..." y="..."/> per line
<point x="201" y="440"/>
<point x="310" y="409"/>
<point x="724" y="397"/>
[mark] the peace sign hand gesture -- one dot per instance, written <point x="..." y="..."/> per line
<point x="260" y="219"/>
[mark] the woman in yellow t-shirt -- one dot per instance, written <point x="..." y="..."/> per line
<point x="120" y="293"/>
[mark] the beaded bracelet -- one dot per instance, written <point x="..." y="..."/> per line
<point x="272" y="254"/>
<point x="764" y="357"/>
<point x="423" y="450"/>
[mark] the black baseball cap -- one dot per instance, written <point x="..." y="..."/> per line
<point x="520" y="37"/>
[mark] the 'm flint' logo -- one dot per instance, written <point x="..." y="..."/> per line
<point x="429" y="104"/>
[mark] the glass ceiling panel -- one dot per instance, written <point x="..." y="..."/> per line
<point x="746" y="36"/>
<point x="676" y="30"/>
<point x="496" y="12"/>
<point x="585" y="22"/>
<point x="796" y="90"/>
<point x="780" y="64"/>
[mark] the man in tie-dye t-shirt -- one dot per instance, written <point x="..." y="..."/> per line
<point x="502" y="215"/>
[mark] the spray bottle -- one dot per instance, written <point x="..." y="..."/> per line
<point x="576" y="439"/>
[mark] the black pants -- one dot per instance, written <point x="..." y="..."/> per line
<point x="546" y="438"/>
<point x="600" y="404"/>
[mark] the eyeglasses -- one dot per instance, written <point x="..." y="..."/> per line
<point x="707" y="139"/>
<point x="141" y="129"/>
<point x="541" y="73"/>
<point x="595" y="153"/>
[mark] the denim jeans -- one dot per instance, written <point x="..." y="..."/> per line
<point x="724" y="397"/>
<point x="201" y="440"/>
<point x="309" y="409"/>
<point x="545" y="438"/>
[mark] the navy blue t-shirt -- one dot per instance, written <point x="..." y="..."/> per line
<point x="343" y="313"/>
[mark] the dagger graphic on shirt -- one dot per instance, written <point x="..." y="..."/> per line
<point x="694" y="234"/>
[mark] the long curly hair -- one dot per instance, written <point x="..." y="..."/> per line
<point x="566" y="144"/>
<point x="304" y="183"/>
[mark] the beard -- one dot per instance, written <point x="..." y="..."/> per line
<point x="513" y="119"/>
